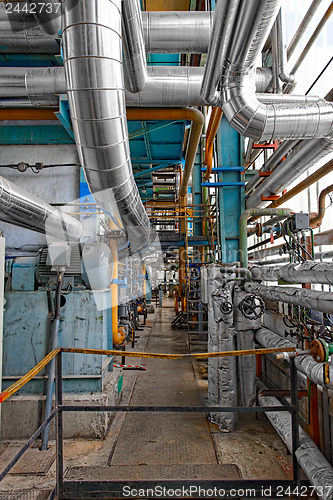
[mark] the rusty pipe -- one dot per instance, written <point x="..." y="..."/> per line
<point x="213" y="126"/>
<point x="318" y="174"/>
<point x="318" y="218"/>
<point x="192" y="114"/>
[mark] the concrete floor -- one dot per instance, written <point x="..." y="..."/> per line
<point x="180" y="439"/>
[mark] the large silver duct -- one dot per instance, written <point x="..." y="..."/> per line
<point x="177" y="32"/>
<point x="23" y="209"/>
<point x="313" y="299"/>
<point x="231" y="62"/>
<point x="19" y="33"/>
<point x="39" y="85"/>
<point x="93" y="66"/>
<point x="135" y="65"/>
<point x="304" y="156"/>
<point x="166" y="86"/>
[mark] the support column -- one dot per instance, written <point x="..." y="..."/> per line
<point x="231" y="198"/>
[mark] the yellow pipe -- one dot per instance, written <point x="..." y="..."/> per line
<point x="192" y="114"/>
<point x="222" y="354"/>
<point x="117" y="336"/>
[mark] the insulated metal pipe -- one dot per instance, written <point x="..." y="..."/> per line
<point x="243" y="110"/>
<point x="19" y="33"/>
<point x="311" y="460"/>
<point x="318" y="174"/>
<point x="135" y="64"/>
<point x="93" y="65"/>
<point x="304" y="156"/>
<point x="177" y="32"/>
<point x="166" y="86"/>
<point x="307" y="272"/>
<point x="23" y="209"/>
<point x="271" y="163"/>
<point x="197" y="119"/>
<point x="304" y="364"/>
<point x="48" y="16"/>
<point x="282" y="212"/>
<point x="319" y="301"/>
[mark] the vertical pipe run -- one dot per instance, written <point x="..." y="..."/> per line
<point x="54" y="345"/>
<point x="135" y="65"/>
<point x="282" y="212"/>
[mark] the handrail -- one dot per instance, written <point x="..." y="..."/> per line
<point x="26" y="378"/>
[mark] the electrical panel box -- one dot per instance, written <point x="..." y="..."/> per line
<point x="23" y="273"/>
<point x="299" y="222"/>
<point x="59" y="254"/>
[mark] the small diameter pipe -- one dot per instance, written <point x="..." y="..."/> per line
<point x="317" y="219"/>
<point x="51" y="375"/>
<point x="319" y="301"/>
<point x="311" y="460"/>
<point x="284" y="212"/>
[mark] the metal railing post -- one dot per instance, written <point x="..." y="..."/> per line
<point x="59" y="427"/>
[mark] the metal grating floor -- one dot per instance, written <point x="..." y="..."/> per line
<point x="154" y="473"/>
<point x="33" y="461"/>
<point x="24" y="495"/>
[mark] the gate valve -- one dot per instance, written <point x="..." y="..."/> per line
<point x="252" y="307"/>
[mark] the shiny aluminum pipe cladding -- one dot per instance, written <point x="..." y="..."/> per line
<point x="304" y="156"/>
<point x="19" y="33"/>
<point x="230" y="66"/>
<point x="169" y="86"/>
<point x="47" y="14"/>
<point x="23" y="209"/>
<point x="135" y="64"/>
<point x="224" y="18"/>
<point x="40" y="85"/>
<point x="177" y="32"/>
<point x="93" y="66"/>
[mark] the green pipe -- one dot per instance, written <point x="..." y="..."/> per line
<point x="251" y="212"/>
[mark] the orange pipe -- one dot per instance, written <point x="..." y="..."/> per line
<point x="212" y="129"/>
<point x="27" y="114"/>
<point x="318" y="218"/>
<point x="192" y="114"/>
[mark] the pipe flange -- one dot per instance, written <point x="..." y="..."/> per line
<point x="319" y="350"/>
<point x="259" y="229"/>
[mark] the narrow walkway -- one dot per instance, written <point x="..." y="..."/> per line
<point x="161" y="446"/>
<point x="165" y="438"/>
